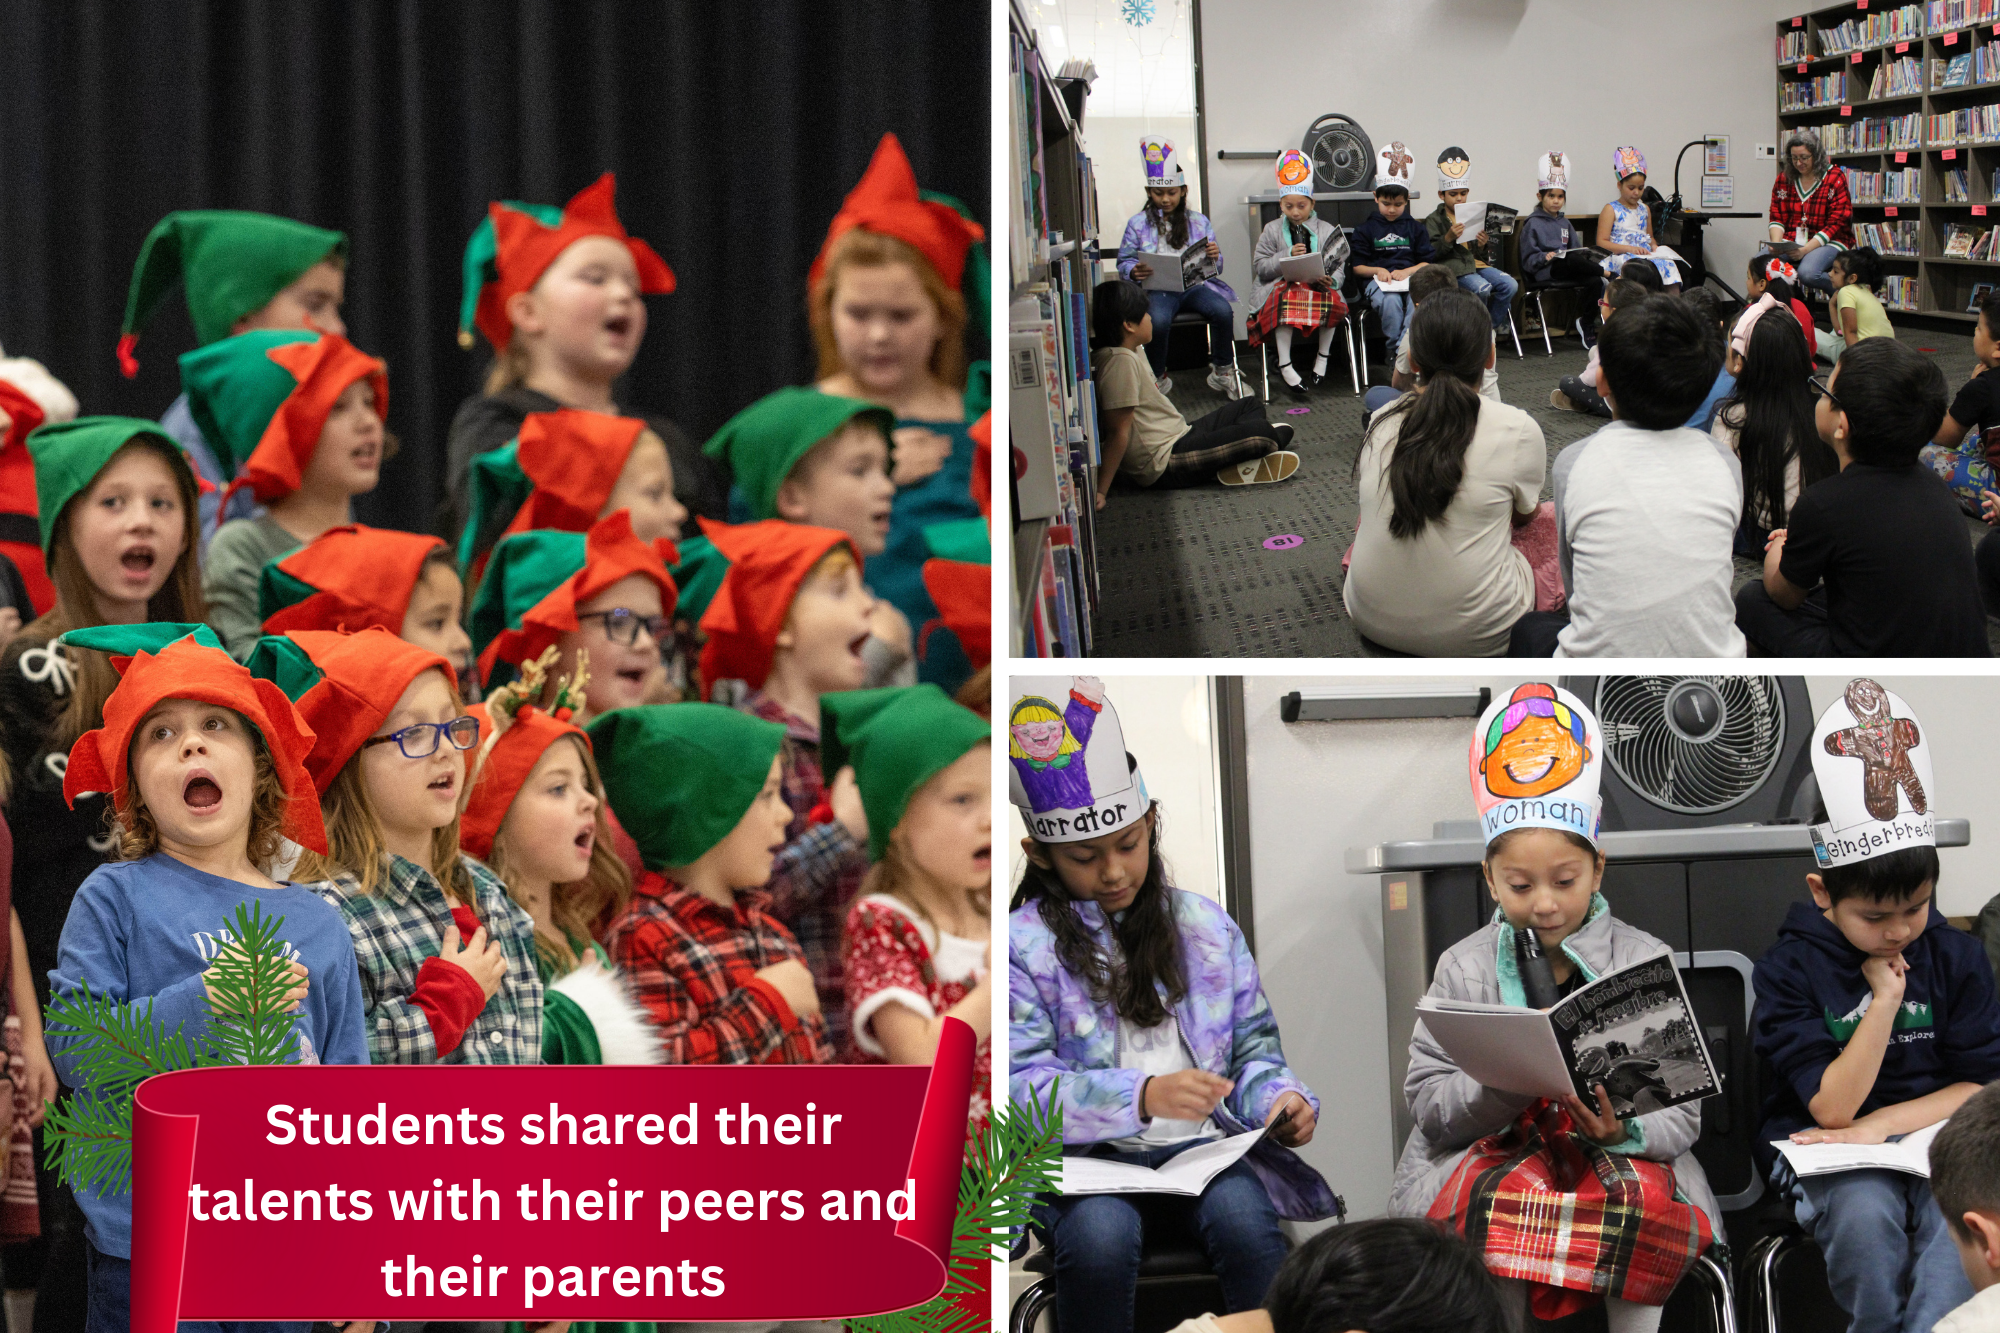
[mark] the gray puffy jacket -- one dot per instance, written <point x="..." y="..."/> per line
<point x="1453" y="1111"/>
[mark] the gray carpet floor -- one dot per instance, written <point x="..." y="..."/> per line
<point x="1185" y="573"/>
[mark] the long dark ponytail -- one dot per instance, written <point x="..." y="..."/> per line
<point x="1147" y="978"/>
<point x="1774" y="405"/>
<point x="1451" y="336"/>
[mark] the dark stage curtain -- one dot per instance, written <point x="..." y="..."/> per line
<point x="735" y="130"/>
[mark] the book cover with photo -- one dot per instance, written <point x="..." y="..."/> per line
<point x="1634" y="1032"/>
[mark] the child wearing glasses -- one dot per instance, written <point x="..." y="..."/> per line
<point x="447" y="958"/>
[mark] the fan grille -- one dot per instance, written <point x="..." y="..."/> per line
<point x="1665" y="767"/>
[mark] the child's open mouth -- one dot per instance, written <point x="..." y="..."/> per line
<point x="138" y="560"/>
<point x="585" y="840"/>
<point x="983" y="857"/>
<point x="856" y="645"/>
<point x="200" y="792"/>
<point x="880" y="520"/>
<point x="634" y="677"/>
<point x="618" y="326"/>
<point x="445" y="785"/>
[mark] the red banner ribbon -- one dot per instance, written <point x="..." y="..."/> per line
<point x="601" y="1192"/>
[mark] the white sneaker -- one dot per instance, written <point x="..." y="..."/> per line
<point x="1271" y="467"/>
<point x="1225" y="381"/>
<point x="1165" y="384"/>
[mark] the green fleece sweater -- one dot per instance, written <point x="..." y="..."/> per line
<point x="1458" y="258"/>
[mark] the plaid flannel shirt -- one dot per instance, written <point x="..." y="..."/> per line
<point x="820" y="868"/>
<point x="396" y="928"/>
<point x="1828" y="213"/>
<point x="692" y="963"/>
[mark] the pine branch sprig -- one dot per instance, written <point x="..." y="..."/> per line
<point x="90" y="1141"/>
<point x="248" y="1020"/>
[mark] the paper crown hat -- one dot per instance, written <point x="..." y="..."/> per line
<point x="557" y="472"/>
<point x="261" y="399"/>
<point x="897" y="740"/>
<point x="1536" y="760"/>
<point x="1161" y="164"/>
<point x="1627" y="161"/>
<point x="69" y="454"/>
<point x="1392" y="166"/>
<point x="1873" y="766"/>
<point x="1552" y="171"/>
<point x="681" y="776"/>
<point x="1295" y="174"/>
<point x="507" y="757"/>
<point x="768" y="561"/>
<point x="344" y="685"/>
<point x="766" y="440"/>
<point x="516" y="242"/>
<point x="886" y="200"/>
<point x="536" y="580"/>
<point x="348" y="578"/>
<point x="233" y="263"/>
<point x="1069" y="773"/>
<point x="1454" y="170"/>
<point x="159" y="661"/>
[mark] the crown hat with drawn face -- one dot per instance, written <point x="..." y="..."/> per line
<point x="1454" y="170"/>
<point x="1162" y="165"/>
<point x="1294" y="174"/>
<point x="1552" y="171"/>
<point x="1872" y="761"/>
<point x="1069" y="773"/>
<point x="1536" y="761"/>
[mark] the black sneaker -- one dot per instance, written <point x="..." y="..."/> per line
<point x="1282" y="432"/>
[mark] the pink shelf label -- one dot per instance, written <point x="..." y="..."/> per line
<point x="1979" y="210"/>
<point x="1902" y="158"/>
<point x="1890" y="210"/>
<point x="1802" y="67"/>
<point x="1951" y="39"/>
<point x="1854" y="59"/>
<point x="1861" y="4"/>
<point x="1902" y="47"/>
<point x="1948" y="154"/>
<point x="1847" y="111"/>
<point x="1798" y="23"/>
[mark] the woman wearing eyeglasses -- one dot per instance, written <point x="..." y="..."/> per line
<point x="447" y="958"/>
<point x="1812" y="214"/>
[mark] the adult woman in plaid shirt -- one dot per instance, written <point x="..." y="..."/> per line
<point x="1810" y="194"/>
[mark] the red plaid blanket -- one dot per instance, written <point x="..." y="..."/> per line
<point x="1298" y="305"/>
<point x="1577" y="1222"/>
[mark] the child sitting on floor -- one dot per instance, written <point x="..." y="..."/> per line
<point x="297" y="418"/>
<point x="1428" y="282"/>
<point x="1145" y="437"/>
<point x="1580" y="393"/>
<point x="1875" y="560"/>
<point x="1474" y="1147"/>
<point x="1856" y="276"/>
<point x="1965" y="1181"/>
<point x="1768" y="423"/>
<point x="1772" y="284"/>
<point x="724" y="981"/>
<point x="351" y="577"/>
<point x="1283" y="306"/>
<point x="1705" y="304"/>
<point x="1966" y="448"/>
<point x="1646" y="508"/>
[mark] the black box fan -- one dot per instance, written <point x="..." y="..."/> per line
<point x="1342" y="158"/>
<point x="1695" y="751"/>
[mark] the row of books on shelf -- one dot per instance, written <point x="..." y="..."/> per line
<point x="1888" y="238"/>
<point x="1965" y="242"/>
<point x="1878" y="28"/>
<point x="1806" y="94"/>
<point x="1979" y="65"/>
<point x="1795" y="44"/>
<point x="1962" y="13"/>
<point x="1905" y="186"/>
<point x="1057" y="613"/>
<point x="1899" y="292"/>
<point x="1028" y="216"/>
<point x="1966" y="125"/>
<point x="1873" y="133"/>
<point x="1897" y="78"/>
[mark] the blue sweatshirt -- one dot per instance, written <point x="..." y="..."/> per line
<point x="141" y="929"/>
<point x="1391" y="245"/>
<point x="1811" y="995"/>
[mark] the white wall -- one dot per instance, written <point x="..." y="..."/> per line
<point x="1503" y="79"/>
<point x="1318" y="789"/>
<point x="1113" y="143"/>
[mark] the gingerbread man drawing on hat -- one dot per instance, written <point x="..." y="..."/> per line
<point x="1882" y="743"/>
<point x="1398" y="160"/>
<point x="1558" y="170"/>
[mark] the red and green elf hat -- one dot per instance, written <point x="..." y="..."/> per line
<point x="344" y="686"/>
<point x="233" y="263"/>
<point x="981" y="432"/>
<point x="348" y="578"/>
<point x="262" y="398"/>
<point x="536" y="580"/>
<point x="69" y="454"/>
<point x="159" y="661"/>
<point x="963" y="594"/>
<point x="698" y="575"/>
<point x="515" y="242"/>
<point x="680" y="777"/>
<point x="897" y="740"/>
<point x="765" y="441"/>
<point x="504" y="767"/>
<point x="18" y="511"/>
<point x="558" y="472"/>
<point x="768" y="560"/>
<point x="887" y="200"/>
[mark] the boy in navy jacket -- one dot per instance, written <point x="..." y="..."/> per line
<point x="1878" y="1017"/>
<point x="1389" y="246"/>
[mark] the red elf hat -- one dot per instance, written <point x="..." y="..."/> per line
<point x="504" y="768"/>
<point x="19" y="511"/>
<point x="345" y="685"/>
<point x="768" y="560"/>
<point x="187" y="662"/>
<point x="557" y="473"/>
<point x="524" y="246"/>
<point x="527" y="564"/>
<point x="348" y="578"/>
<point x="964" y="597"/>
<point x="231" y="388"/>
<point x="982" y="463"/>
<point x="886" y="201"/>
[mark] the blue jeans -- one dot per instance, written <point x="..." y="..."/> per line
<point x="1813" y="267"/>
<point x="1205" y="301"/>
<point x="1097" y="1239"/>
<point x="1496" y="289"/>
<point x="1889" y="1256"/>
<point x="1392" y="309"/>
<point x="111" y="1303"/>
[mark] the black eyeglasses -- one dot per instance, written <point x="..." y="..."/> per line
<point x="420" y="740"/>
<point x="622" y="625"/>
<point x="1819" y="385"/>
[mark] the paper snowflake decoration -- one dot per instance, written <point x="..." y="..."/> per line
<point x="1138" y="13"/>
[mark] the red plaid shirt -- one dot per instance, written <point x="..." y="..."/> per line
<point x="1827" y="214"/>
<point x="693" y="964"/>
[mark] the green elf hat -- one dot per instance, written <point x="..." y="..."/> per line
<point x="262" y="398"/>
<point x="897" y="740"/>
<point x="69" y="455"/>
<point x="698" y="575"/>
<point x="681" y="776"/>
<point x="233" y="264"/>
<point x="765" y="441"/>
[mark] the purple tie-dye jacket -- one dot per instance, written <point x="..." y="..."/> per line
<point x="1142" y="237"/>
<point x="1058" y="1032"/>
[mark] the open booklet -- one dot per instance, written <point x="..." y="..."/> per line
<point x="1188" y="1173"/>
<point x="1631" y="1030"/>
<point x="1303" y="268"/>
<point x="1472" y="216"/>
<point x="1178" y="272"/>
<point x="1911" y="1153"/>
